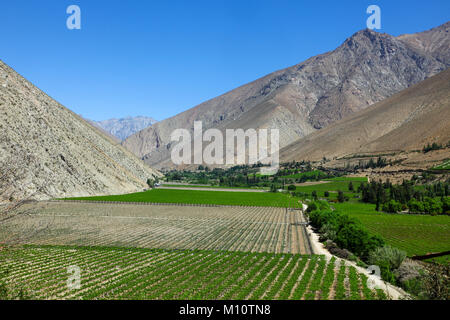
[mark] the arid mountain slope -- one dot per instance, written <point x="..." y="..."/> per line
<point x="435" y="42"/>
<point x="367" y="68"/>
<point x="406" y="121"/>
<point x="48" y="149"/>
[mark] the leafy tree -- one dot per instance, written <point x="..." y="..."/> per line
<point x="273" y="188"/>
<point x="432" y="147"/>
<point x="353" y="238"/>
<point x="341" y="197"/>
<point x="350" y="186"/>
<point x="432" y="206"/>
<point x="392" y="207"/>
<point x="415" y="206"/>
<point x="446" y="205"/>
<point x="347" y="232"/>
<point x="150" y="183"/>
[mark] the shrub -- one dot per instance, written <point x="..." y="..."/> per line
<point x="386" y="272"/>
<point x="373" y="243"/>
<point x="430" y="283"/>
<point x="335" y="250"/>
<point x="387" y="255"/>
<point x="407" y="274"/>
<point x="318" y="205"/>
<point x="446" y="205"/>
<point x="392" y="207"/>
<point x="347" y="232"/>
<point x="291" y="187"/>
<point x="341" y="197"/>
<point x="436" y="282"/>
<point x="415" y="206"/>
<point x="414" y="286"/>
<point x="387" y="259"/>
<point x="432" y="147"/>
<point x="329" y="231"/>
<point x="432" y="206"/>
<point x="353" y="258"/>
<point x="354" y="238"/>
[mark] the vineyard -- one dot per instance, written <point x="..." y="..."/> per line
<point x="332" y="186"/>
<point x="444" y="166"/>
<point x="261" y="199"/>
<point x="131" y="273"/>
<point x="252" y="229"/>
<point x="415" y="234"/>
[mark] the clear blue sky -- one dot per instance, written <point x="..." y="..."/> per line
<point x="158" y="58"/>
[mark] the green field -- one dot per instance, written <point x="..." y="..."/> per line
<point x="257" y="199"/>
<point x="310" y="175"/>
<point x="415" y="234"/>
<point x="444" y="166"/>
<point x="331" y="186"/>
<point x="130" y="273"/>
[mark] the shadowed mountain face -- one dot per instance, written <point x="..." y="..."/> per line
<point x="125" y="127"/>
<point x="48" y="151"/>
<point x="367" y="68"/>
<point x="406" y="121"/>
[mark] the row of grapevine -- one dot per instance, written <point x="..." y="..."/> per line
<point x="127" y="273"/>
<point x="244" y="229"/>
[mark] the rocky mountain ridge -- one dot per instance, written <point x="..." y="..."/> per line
<point x="367" y="68"/>
<point x="405" y="122"/>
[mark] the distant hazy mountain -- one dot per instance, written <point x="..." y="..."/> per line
<point x="125" y="127"/>
<point x="367" y="68"/>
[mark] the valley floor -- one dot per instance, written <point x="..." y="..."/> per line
<point x="127" y="251"/>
